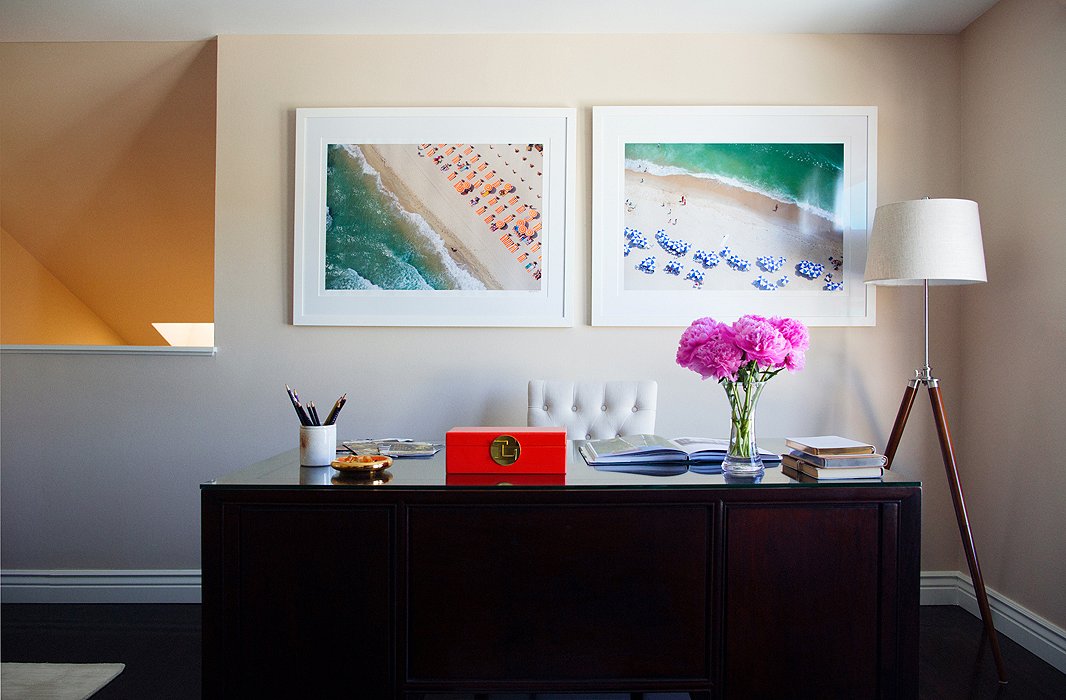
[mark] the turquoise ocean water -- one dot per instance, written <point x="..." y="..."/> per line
<point x="372" y="242"/>
<point x="809" y="175"/>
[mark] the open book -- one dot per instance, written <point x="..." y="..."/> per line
<point x="656" y="454"/>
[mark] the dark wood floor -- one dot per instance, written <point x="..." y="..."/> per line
<point x="160" y="645"/>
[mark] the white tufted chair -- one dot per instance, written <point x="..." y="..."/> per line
<point x="590" y="410"/>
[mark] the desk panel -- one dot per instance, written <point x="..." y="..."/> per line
<point x="559" y="593"/>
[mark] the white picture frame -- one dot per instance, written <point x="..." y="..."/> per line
<point x="622" y="297"/>
<point x="338" y="293"/>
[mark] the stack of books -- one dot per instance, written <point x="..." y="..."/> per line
<point x="831" y="457"/>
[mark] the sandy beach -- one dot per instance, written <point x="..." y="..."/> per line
<point x="715" y="215"/>
<point x="419" y="177"/>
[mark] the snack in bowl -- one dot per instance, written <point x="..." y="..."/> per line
<point x="377" y="478"/>
<point x="361" y="463"/>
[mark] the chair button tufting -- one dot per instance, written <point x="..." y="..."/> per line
<point x="573" y="408"/>
<point x="634" y="409"/>
<point x="603" y="408"/>
<point x="545" y="407"/>
<point x="587" y="436"/>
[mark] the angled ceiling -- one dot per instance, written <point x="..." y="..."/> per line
<point x="177" y="20"/>
<point x="108" y="175"/>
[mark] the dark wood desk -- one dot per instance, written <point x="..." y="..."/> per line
<point x="610" y="583"/>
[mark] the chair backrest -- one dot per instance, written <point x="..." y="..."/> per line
<point x="593" y="410"/>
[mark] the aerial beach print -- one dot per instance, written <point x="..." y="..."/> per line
<point x="733" y="216"/>
<point x="434" y="216"/>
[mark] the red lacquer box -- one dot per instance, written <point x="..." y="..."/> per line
<point x="506" y="450"/>
<point x="505" y="479"/>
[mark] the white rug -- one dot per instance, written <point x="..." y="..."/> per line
<point x="54" y="681"/>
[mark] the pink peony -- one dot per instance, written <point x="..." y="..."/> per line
<point x="720" y="359"/>
<point x="761" y="341"/>
<point x="754" y="346"/>
<point x="796" y="361"/>
<point x="794" y="331"/>
<point x="707" y="348"/>
<point x="700" y="332"/>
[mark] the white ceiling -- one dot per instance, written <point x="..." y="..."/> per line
<point x="169" y="20"/>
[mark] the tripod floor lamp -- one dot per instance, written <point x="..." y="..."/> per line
<point x="924" y="242"/>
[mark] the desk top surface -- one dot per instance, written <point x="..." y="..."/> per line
<point x="284" y="471"/>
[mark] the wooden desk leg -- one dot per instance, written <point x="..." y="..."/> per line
<point x="948" y="453"/>
<point x="900" y="424"/>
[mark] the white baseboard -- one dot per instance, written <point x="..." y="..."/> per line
<point x="106" y="586"/>
<point x="1024" y="627"/>
<point x="941" y="587"/>
<point x="1039" y="636"/>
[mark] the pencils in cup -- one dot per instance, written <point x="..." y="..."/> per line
<point x="300" y="412"/>
<point x="308" y="414"/>
<point x="332" y="417"/>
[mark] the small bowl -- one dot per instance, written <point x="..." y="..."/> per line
<point x="378" y="478"/>
<point x="361" y="464"/>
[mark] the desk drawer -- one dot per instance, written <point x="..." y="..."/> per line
<point x="589" y="593"/>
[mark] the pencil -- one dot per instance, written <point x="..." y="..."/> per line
<point x="332" y="417"/>
<point x="296" y="405"/>
<point x="303" y="409"/>
<point x="314" y="413"/>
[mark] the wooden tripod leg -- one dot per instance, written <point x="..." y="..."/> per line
<point x="900" y="424"/>
<point x="948" y="453"/>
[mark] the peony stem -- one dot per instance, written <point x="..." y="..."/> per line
<point x="743" y="396"/>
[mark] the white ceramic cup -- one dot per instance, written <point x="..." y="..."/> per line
<point x="318" y="445"/>
<point x="316" y="476"/>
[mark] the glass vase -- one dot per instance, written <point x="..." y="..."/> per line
<point x="743" y="458"/>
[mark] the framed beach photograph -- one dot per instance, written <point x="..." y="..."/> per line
<point x="433" y="216"/>
<point x="725" y="211"/>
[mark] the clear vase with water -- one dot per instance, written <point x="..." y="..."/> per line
<point x="742" y="458"/>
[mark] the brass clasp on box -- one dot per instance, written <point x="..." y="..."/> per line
<point x="505" y="450"/>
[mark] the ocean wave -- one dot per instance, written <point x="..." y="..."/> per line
<point x="461" y="278"/>
<point x="647" y="166"/>
<point x="401" y="274"/>
<point x="347" y="278"/>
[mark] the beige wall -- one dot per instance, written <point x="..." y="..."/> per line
<point x="37" y="309"/>
<point x="854" y="378"/>
<point x="132" y="502"/>
<point x="108" y="176"/>
<point x="1013" y="347"/>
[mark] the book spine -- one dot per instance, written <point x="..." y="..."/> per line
<point x="840" y="461"/>
<point x="804" y="467"/>
<point x="849" y="473"/>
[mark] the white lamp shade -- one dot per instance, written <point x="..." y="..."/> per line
<point x="934" y="240"/>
